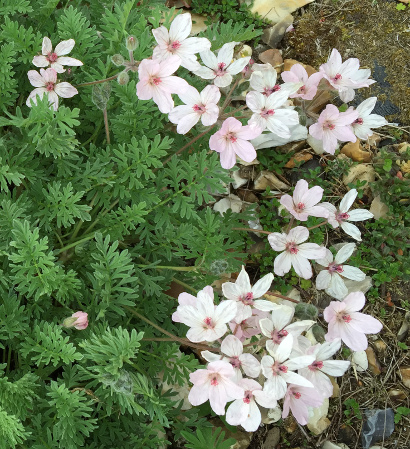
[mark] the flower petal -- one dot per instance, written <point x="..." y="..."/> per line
<point x="64" y="47"/>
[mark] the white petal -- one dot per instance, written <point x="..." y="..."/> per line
<point x="354" y="273"/>
<point x="337" y="287"/>
<point x="64" y="47"/>
<point x="348" y="200"/>
<point x="323" y="280"/>
<point x="345" y="252"/>
<point x="351" y="230"/>
<point x="359" y="215"/>
<point x="47" y="47"/>
<point x="232" y="346"/>
<point x="262" y="286"/>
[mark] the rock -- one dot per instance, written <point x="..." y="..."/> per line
<point x="378" y="208"/>
<point x="248" y="196"/>
<point x="358" y="286"/>
<point x="359" y="360"/>
<point x="272" y="415"/>
<point x="330" y="445"/>
<point x="273" y="57"/>
<point x="355" y="151"/>
<point x="276" y="10"/>
<point x="405" y="375"/>
<point x="273" y="35"/>
<point x="290" y="424"/>
<point x="230" y="202"/>
<point x="397" y="395"/>
<point x="268" y="179"/>
<point x="347" y="435"/>
<point x="298" y="158"/>
<point x="288" y="63"/>
<point x="318" y="421"/>
<point x="237" y="180"/>
<point x="272" y="438"/>
<point x="374" y="364"/>
<point x="380" y="346"/>
<point x="362" y="172"/>
<point x="248" y="172"/>
<point x="198" y="24"/>
<point x="401" y="335"/>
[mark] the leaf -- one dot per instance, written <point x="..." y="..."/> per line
<point x="400" y="7"/>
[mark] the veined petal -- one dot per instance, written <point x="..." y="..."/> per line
<point x="283" y="350"/>
<point x="296" y="379"/>
<point x="161" y="36"/>
<point x="311" y="251"/>
<point x="277" y="241"/>
<point x="40" y="61"/>
<point x="64" y="47"/>
<point x="335" y="368"/>
<point x="225" y="54"/>
<point x="36" y="79"/>
<point x="66" y="60"/>
<point x="354" y="273"/>
<point x="238" y="65"/>
<point x="298" y="234"/>
<point x="180" y="27"/>
<point x="337" y="287"/>
<point x="302" y="266"/>
<point x="250" y="365"/>
<point x="187" y="123"/>
<point x="223" y="81"/>
<point x="282" y="263"/>
<point x="262" y="286"/>
<point x="232" y="346"/>
<point x="243" y="281"/>
<point x="345" y="252"/>
<point x="351" y="230"/>
<point x="65" y="90"/>
<point x="323" y="280"/>
<point x="300" y="362"/>
<point x="205" y="73"/>
<point x="360" y="215"/>
<point x="348" y="200"/>
<point x="47" y="46"/>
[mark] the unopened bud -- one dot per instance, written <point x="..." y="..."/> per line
<point x="117" y="60"/>
<point x="79" y="320"/>
<point x="131" y="43"/>
<point x="123" y="78"/>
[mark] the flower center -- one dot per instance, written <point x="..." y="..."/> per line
<point x="337" y="77"/>
<point x="329" y="125"/>
<point x="267" y="112"/>
<point x="334" y="267"/>
<point x="248" y="396"/>
<point x="208" y="323"/>
<point x="154" y="81"/>
<point x="278" y="336"/>
<point x="342" y="216"/>
<point x="214" y="381"/>
<point x="231" y="137"/>
<point x="199" y="108"/>
<point x="235" y="362"/>
<point x="292" y="248"/>
<point x="221" y="69"/>
<point x="296" y="394"/>
<point x="283" y="368"/>
<point x="358" y="121"/>
<point x="49" y="86"/>
<point x="302" y="90"/>
<point x="316" y="365"/>
<point x="247" y="299"/>
<point x="300" y="207"/>
<point x="343" y="317"/>
<point x="52" y="57"/>
<point x="174" y="45"/>
<point x="269" y="90"/>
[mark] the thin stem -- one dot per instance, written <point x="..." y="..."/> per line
<point x="107" y="128"/>
<point x="316" y="226"/>
<point x="91" y="83"/>
<point x="92" y="225"/>
<point x="170" y="268"/>
<point x="71" y="245"/>
<point x="290" y="225"/>
<point x="228" y="97"/>
<point x="184" y="284"/>
<point x="283" y="297"/>
<point x="131" y="53"/>
<point x="252" y="230"/>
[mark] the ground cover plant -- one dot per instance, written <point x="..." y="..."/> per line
<point x="118" y="131"/>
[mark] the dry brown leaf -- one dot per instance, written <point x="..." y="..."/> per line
<point x="356" y="153"/>
<point x="303" y="156"/>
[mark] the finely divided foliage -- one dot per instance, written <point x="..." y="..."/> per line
<point x="105" y="213"/>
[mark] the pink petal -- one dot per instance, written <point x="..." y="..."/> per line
<point x="187" y="123"/>
<point x="40" y="61"/>
<point x="210" y="95"/>
<point x="163" y="100"/>
<point x="66" y="60"/>
<point x="36" y="79"/>
<point x="365" y="323"/>
<point x="49" y="75"/>
<point x="198" y="395"/>
<point x="169" y="66"/>
<point x="65" y="90"/>
<point x="244" y="150"/>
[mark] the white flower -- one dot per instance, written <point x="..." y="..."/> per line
<point x="246" y="296"/>
<point x="263" y="80"/>
<point x="279" y="369"/>
<point x="342" y="216"/>
<point x="295" y="253"/>
<point x="232" y="347"/>
<point x="331" y="279"/>
<point x="267" y="112"/>
<point x="221" y="68"/>
<point x="363" y="124"/>
<point x="56" y="58"/>
<point x="269" y="140"/>
<point x="176" y="42"/>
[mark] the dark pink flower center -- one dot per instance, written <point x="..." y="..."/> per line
<point x="329" y="125"/>
<point x="52" y="57"/>
<point x="292" y="248"/>
<point x="358" y="121"/>
<point x="283" y="368"/>
<point x="337" y="77"/>
<point x="174" y="45"/>
<point x="278" y="336"/>
<point x="235" y="362"/>
<point x="302" y="90"/>
<point x="214" y="381"/>
<point x="267" y="112"/>
<point x="316" y="365"/>
<point x="342" y="216"/>
<point x="296" y="394"/>
<point x="300" y="207"/>
<point x="221" y="69"/>
<point x="231" y="137"/>
<point x="248" y="396"/>
<point x="334" y="267"/>
<point x="269" y="90"/>
<point x="247" y="299"/>
<point x="343" y="317"/>
<point x="208" y="324"/>
<point x="50" y="86"/>
<point x="199" y="108"/>
<point x="155" y="80"/>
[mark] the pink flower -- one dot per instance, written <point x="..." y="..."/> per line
<point x="298" y="399"/>
<point x="247" y="296"/>
<point x="232" y="139"/>
<point x="249" y="327"/>
<point x="176" y="42"/>
<point x="244" y="411"/>
<point x="294" y="253"/>
<point x="232" y="347"/>
<point x="186" y="299"/>
<point x="342" y="216"/>
<point x="365" y="121"/>
<point x="279" y="369"/>
<point x="156" y="82"/>
<point x="268" y="114"/>
<point x="79" y="320"/>
<point x="298" y="74"/>
<point x="346" y="76"/>
<point x="330" y="279"/>
<point x="303" y="203"/>
<point x="197" y="106"/>
<point x="46" y="83"/>
<point x="216" y="385"/>
<point x="206" y="322"/>
<point x="317" y="371"/>
<point x="279" y="325"/>
<point x="332" y="126"/>
<point x="264" y="80"/>
<point x="347" y="323"/>
<point x="56" y="59"/>
<point x="221" y="68"/>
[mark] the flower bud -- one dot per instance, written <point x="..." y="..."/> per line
<point x="131" y="43"/>
<point x="123" y="78"/>
<point x="79" y="320"/>
<point x="117" y="60"/>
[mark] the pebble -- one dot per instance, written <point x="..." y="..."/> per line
<point x="378" y="208"/>
<point x="275" y="10"/>
<point x="401" y="335"/>
<point x="330" y="445"/>
<point x="380" y="346"/>
<point x="272" y="438"/>
<point x="318" y="421"/>
<point x="273" y="35"/>
<point x="356" y="153"/>
<point x="268" y="179"/>
<point x="405" y="375"/>
<point x="397" y="395"/>
<point x="273" y="57"/>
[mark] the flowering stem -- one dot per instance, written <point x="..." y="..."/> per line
<point x="251" y="230"/>
<point x="107" y="129"/>
<point x="91" y="83"/>
<point x="228" y="97"/>
<point x="290" y="225"/>
<point x="170" y="268"/>
<point x="283" y="297"/>
<point x="316" y="226"/>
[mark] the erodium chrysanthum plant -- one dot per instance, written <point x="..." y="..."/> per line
<point x="117" y="130"/>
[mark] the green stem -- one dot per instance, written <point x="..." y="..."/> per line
<point x="316" y="226"/>
<point x="170" y="268"/>
<point x="107" y="128"/>
<point x="251" y="230"/>
<point x="98" y="82"/>
<point x="184" y="285"/>
<point x="71" y="245"/>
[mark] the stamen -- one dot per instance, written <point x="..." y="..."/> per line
<point x="174" y="45"/>
<point x="296" y="395"/>
<point x="214" y="381"/>
<point x="52" y="57"/>
<point x="342" y="216"/>
<point x="283" y="368"/>
<point x="50" y="87"/>
<point x="247" y="299"/>
<point x="292" y="248"/>
<point x="300" y="207"/>
<point x="316" y="365"/>
<point x="358" y="121"/>
<point x="337" y="77"/>
<point x="208" y="322"/>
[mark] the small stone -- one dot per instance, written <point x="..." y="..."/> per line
<point x="378" y="208"/>
<point x="272" y="415"/>
<point x="330" y="445"/>
<point x="359" y="286"/>
<point x="318" y="421"/>
<point x="237" y="180"/>
<point x="272" y="438"/>
<point x="247" y="195"/>
<point x="198" y="24"/>
<point x="268" y="179"/>
<point x="380" y="346"/>
<point x="273" y="35"/>
<point x="275" y="10"/>
<point x="359" y="361"/>
<point x="374" y="364"/>
<point x="273" y="57"/>
<point x="248" y="172"/>
<point x="405" y="375"/>
<point x="401" y="335"/>
<point x="362" y="172"/>
<point x="397" y="395"/>
<point x="290" y="424"/>
<point x="230" y="202"/>
<point x="355" y="151"/>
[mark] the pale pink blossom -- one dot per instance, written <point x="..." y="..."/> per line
<point x="279" y="325"/>
<point x="220" y="68"/>
<point x="245" y="411"/>
<point x="233" y="139"/>
<point x="297" y="74"/>
<point x="298" y="399"/>
<point x="346" y="322"/>
<point x="346" y="76"/>
<point x="247" y="296"/>
<point x="198" y="106"/>
<point x="216" y="385"/>
<point x="267" y="112"/>
<point x="279" y="369"/>
<point x="264" y="81"/>
<point x="304" y="201"/>
<point x="342" y="216"/>
<point x="56" y="59"/>
<point x="79" y="320"/>
<point x="176" y="42"/>
<point x="248" y="327"/>
<point x="365" y="121"/>
<point x="186" y="299"/>
<point x="206" y="322"/>
<point x="331" y="279"/>
<point x="46" y="84"/>
<point x="253" y="67"/>
<point x="232" y="348"/>
<point x="156" y="82"/>
<point x="333" y="125"/>
<point x="317" y="371"/>
<point x="295" y="253"/>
